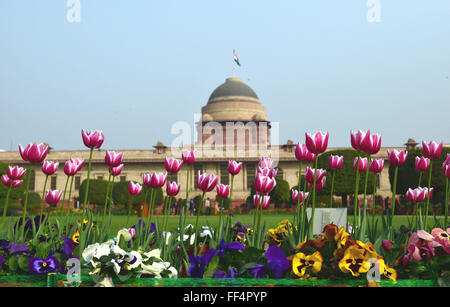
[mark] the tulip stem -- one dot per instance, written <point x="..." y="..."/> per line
<point x="88" y="179"/>
<point x="332" y="189"/>
<point x="363" y="222"/>
<point x="391" y="230"/>
<point x="106" y="196"/>
<point x="355" y="203"/>
<point x="199" y="207"/>
<point x="313" y="208"/>
<point x="428" y="195"/>
<point x="7" y="199"/>
<point x="41" y="203"/>
<point x="446" y="203"/>
<point x="231" y="193"/>
<point x="64" y="195"/>
<point x="297" y="216"/>
<point x="26" y="200"/>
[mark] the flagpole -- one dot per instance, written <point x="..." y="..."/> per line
<point x="233" y="65"/>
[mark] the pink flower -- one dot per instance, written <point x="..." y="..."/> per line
<point x="92" y="139"/>
<point x="52" y="197"/>
<point x="362" y="164"/>
<point x="376" y="165"/>
<point x="387" y="245"/>
<point x="113" y="159"/>
<point x="188" y="157"/>
<point x="78" y="162"/>
<point x="16" y="172"/>
<point x="265" y="163"/>
<point x="397" y="157"/>
<point x="317" y="143"/>
<point x="205" y="182"/>
<point x="422" y="164"/>
<point x="234" y="167"/>
<point x="155" y="180"/>
<point x="172" y="188"/>
<point x="336" y="162"/>
<point x="371" y="144"/>
<point x="264" y="184"/>
<point x="115" y="171"/>
<point x="303" y="154"/>
<point x="223" y="190"/>
<point x="319" y="184"/>
<point x="309" y="174"/>
<point x="49" y="167"/>
<point x="358" y="137"/>
<point x="134" y="188"/>
<point x="265" y="200"/>
<point x="7" y="182"/>
<point x="172" y="165"/>
<point x="272" y="173"/>
<point x="432" y="150"/>
<point x="446" y="169"/>
<point x="131" y="230"/>
<point x="34" y="153"/>
<point x="70" y="168"/>
<point x="299" y="197"/>
<point x="419" y="194"/>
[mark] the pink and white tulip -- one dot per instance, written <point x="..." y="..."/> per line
<point x="303" y="154"/>
<point x="422" y="164"/>
<point x="299" y="197"/>
<point x="272" y="173"/>
<point x="397" y="157"/>
<point x="188" y="156"/>
<point x="223" y="191"/>
<point x="78" y="162"/>
<point x="362" y="164"/>
<point x="52" y="197"/>
<point x="356" y="138"/>
<point x="265" y="163"/>
<point x="172" y="165"/>
<point x="234" y="167"/>
<point x="134" y="188"/>
<point x="309" y="174"/>
<point x="265" y="200"/>
<point x="16" y="172"/>
<point x="172" y="188"/>
<point x="419" y="194"/>
<point x="371" y="144"/>
<point x="49" y="167"/>
<point x="155" y="180"/>
<point x="264" y="184"/>
<point x="115" y="171"/>
<point x="92" y="139"/>
<point x="336" y="162"/>
<point x="70" y="168"/>
<point x="376" y="165"/>
<point x="113" y="159"/>
<point x="34" y="153"/>
<point x="206" y="182"/>
<point x="7" y="181"/>
<point x="319" y="184"/>
<point x="432" y="150"/>
<point x="317" y="143"/>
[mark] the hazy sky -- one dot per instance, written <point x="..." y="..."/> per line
<point x="133" y="68"/>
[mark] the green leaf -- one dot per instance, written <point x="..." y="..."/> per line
<point x="12" y="263"/>
<point x="23" y="263"/>
<point x="212" y="267"/>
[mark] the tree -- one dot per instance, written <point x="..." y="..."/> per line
<point x="97" y="191"/>
<point x="281" y="193"/>
<point x="16" y="193"/>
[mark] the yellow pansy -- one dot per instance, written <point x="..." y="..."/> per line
<point x="386" y="271"/>
<point x="76" y="237"/>
<point x="302" y="262"/>
<point x="368" y="249"/>
<point x="342" y="237"/>
<point x="354" y="261"/>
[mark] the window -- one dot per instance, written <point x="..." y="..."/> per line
<point x="32" y="181"/>
<point x="251" y="173"/>
<point x="77" y="182"/>
<point x="100" y="177"/>
<point x="53" y="183"/>
<point x="197" y="168"/>
<point x="224" y="175"/>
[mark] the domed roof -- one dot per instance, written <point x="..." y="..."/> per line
<point x="231" y="88"/>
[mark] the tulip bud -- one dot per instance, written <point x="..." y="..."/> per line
<point x="309" y="174"/>
<point x="299" y="197"/>
<point x="422" y="164"/>
<point x="173" y="188"/>
<point x="223" y="190"/>
<point x="49" y="167"/>
<point x="92" y="139"/>
<point x="376" y="165"/>
<point x="264" y="184"/>
<point x="113" y="159"/>
<point x="432" y="150"/>
<point x="34" y="153"/>
<point x="357" y="138"/>
<point x="188" y="157"/>
<point x="303" y="154"/>
<point x="172" y="165"/>
<point x="115" y="171"/>
<point x="336" y="162"/>
<point x="52" y="197"/>
<point x="206" y="183"/>
<point x="396" y="157"/>
<point x="362" y="164"/>
<point x="265" y="200"/>
<point x="134" y="188"/>
<point x="234" y="167"/>
<point x="16" y="172"/>
<point x="317" y="143"/>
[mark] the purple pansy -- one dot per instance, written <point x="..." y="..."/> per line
<point x="258" y="271"/>
<point x="278" y="264"/>
<point x="42" y="266"/>
<point x="18" y="248"/>
<point x="198" y="263"/>
<point x="233" y="273"/>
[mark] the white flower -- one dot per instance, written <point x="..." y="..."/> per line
<point x="153" y="253"/>
<point x="89" y="252"/>
<point x="126" y="235"/>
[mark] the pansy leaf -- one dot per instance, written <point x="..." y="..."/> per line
<point x="22" y="262"/>
<point x="12" y="264"/>
<point x="247" y="267"/>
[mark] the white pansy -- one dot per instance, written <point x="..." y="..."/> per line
<point x="153" y="253"/>
<point x="89" y="252"/>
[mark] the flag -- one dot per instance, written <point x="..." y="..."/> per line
<point x="236" y="59"/>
